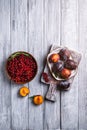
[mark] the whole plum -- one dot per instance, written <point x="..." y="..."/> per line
<point x="54" y="58"/>
<point x="57" y="67"/>
<point x="64" y="54"/>
<point x="70" y="64"/>
<point x="65" y="73"/>
<point x="63" y="85"/>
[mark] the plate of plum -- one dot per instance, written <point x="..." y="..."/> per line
<point x="62" y="64"/>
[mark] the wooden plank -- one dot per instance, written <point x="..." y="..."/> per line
<point x="69" y="38"/>
<point x="83" y="66"/>
<point x="35" y="47"/>
<point x="51" y="35"/>
<point x="5" y="90"/>
<point x="19" y="42"/>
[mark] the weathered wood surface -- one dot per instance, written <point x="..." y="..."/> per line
<point x="5" y="88"/>
<point x="69" y="37"/>
<point x="18" y="41"/>
<point x="34" y="25"/>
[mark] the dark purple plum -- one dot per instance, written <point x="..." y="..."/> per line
<point x="64" y="85"/>
<point x="64" y="54"/>
<point x="70" y="64"/>
<point x="57" y="67"/>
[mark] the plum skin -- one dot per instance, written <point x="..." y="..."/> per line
<point x="63" y="85"/>
<point x="70" y="64"/>
<point x="64" y="54"/>
<point x="54" y="58"/>
<point x="65" y="73"/>
<point x="57" y="67"/>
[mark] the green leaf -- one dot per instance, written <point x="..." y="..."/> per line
<point x="16" y="54"/>
<point x="31" y="97"/>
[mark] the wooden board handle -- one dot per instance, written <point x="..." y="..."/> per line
<point x="51" y="94"/>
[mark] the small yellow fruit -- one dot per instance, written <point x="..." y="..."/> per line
<point x="54" y="58"/>
<point x="65" y="73"/>
<point x="38" y="99"/>
<point x="24" y="91"/>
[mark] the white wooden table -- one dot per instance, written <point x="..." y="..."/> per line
<point x="33" y="25"/>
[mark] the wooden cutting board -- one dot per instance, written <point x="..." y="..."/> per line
<point x="52" y="83"/>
